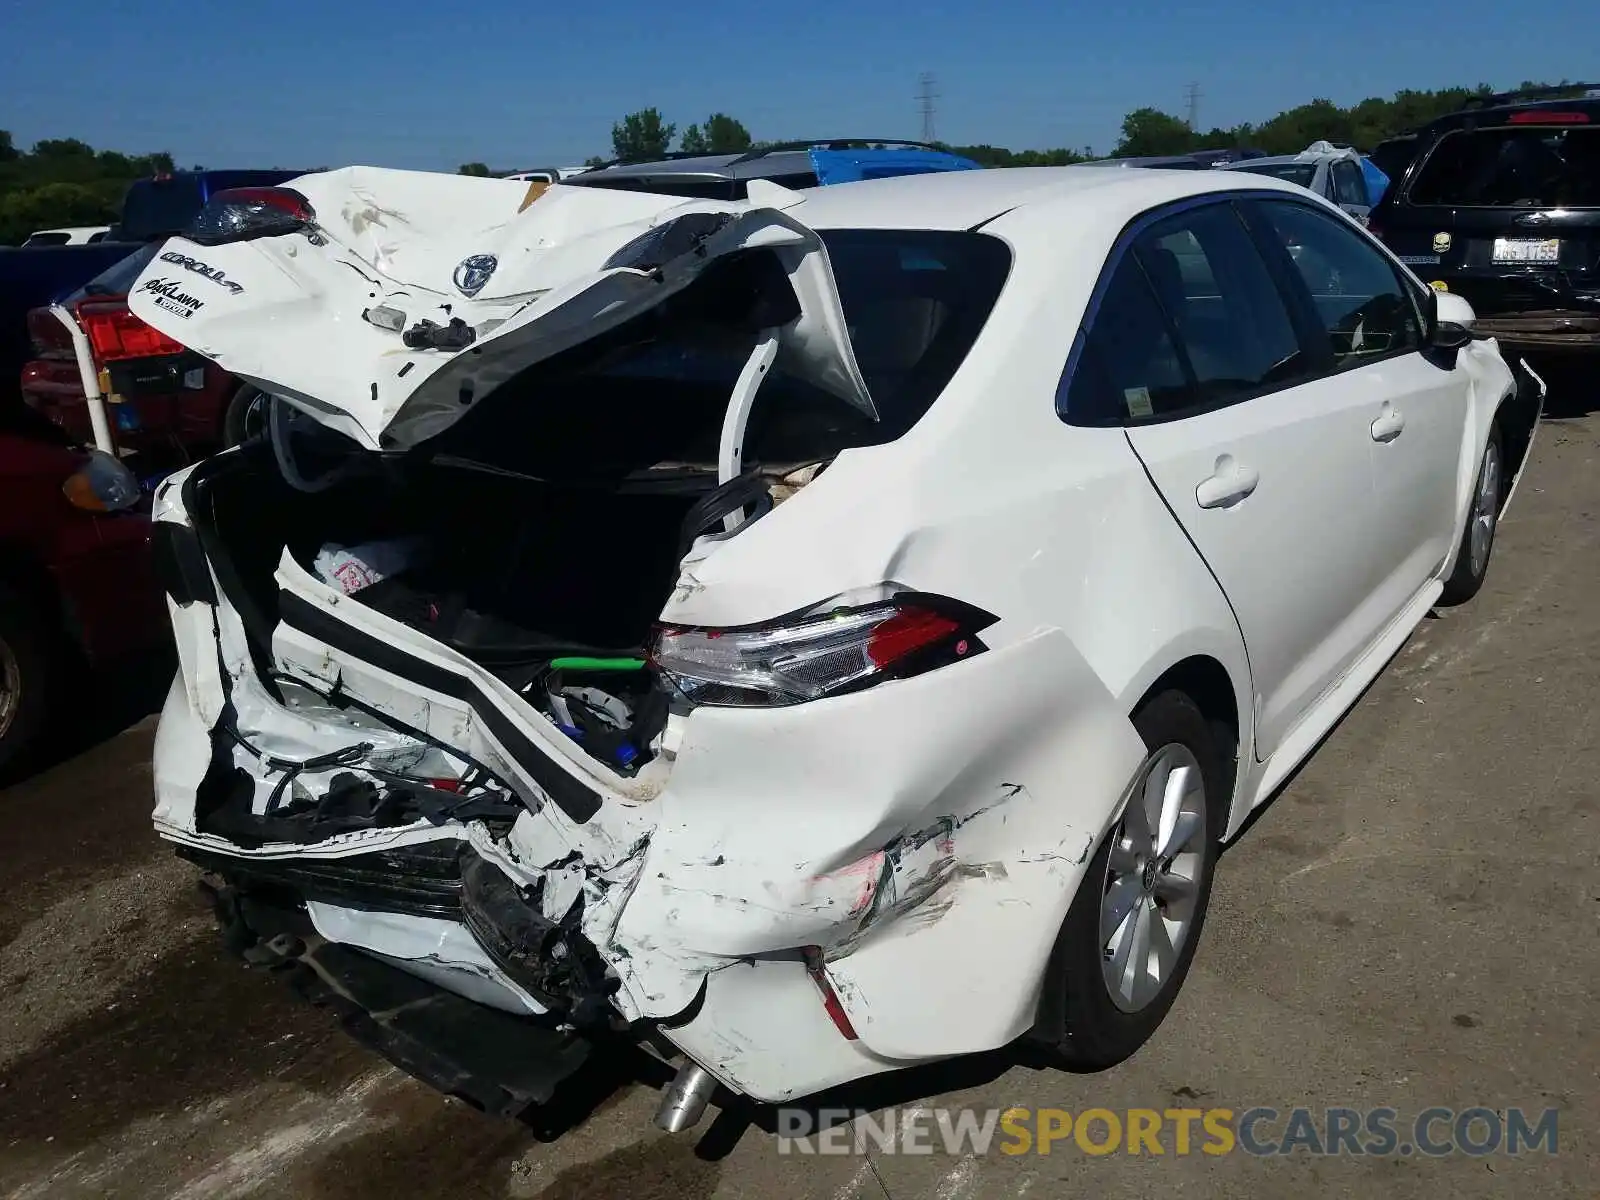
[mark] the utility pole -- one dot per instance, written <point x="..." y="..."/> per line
<point x="926" y="95"/>
<point x="1194" y="107"/>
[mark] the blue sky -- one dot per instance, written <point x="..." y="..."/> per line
<point x="429" y="84"/>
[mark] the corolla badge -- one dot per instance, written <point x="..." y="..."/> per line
<point x="473" y="272"/>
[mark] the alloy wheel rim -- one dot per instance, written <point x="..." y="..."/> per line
<point x="1154" y="876"/>
<point x="1485" y="509"/>
<point x="10" y="688"/>
<point x="255" y="415"/>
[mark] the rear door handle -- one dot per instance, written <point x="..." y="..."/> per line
<point x="1389" y="424"/>
<point x="1229" y="483"/>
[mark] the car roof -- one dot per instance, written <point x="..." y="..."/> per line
<point x="709" y="166"/>
<point x="966" y="199"/>
<point x="1274" y="160"/>
<point x="794" y="158"/>
<point x="1178" y="161"/>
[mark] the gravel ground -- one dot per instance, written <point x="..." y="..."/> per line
<point x="1413" y="922"/>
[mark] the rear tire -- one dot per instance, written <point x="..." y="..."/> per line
<point x="1095" y="1011"/>
<point x="1483" y="522"/>
<point x="27" y="678"/>
<point x="246" y="415"/>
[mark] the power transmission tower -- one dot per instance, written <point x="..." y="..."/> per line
<point x="1194" y="106"/>
<point x="926" y="95"/>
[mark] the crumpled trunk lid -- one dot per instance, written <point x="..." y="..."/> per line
<point x="319" y="317"/>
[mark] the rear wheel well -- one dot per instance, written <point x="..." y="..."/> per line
<point x="1517" y="416"/>
<point x="1207" y="682"/>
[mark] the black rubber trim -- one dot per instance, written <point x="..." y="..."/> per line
<point x="421" y="881"/>
<point x="180" y="564"/>
<point x="157" y="375"/>
<point x="570" y="795"/>
<point x="499" y="1063"/>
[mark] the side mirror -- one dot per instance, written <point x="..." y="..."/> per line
<point x="1449" y="321"/>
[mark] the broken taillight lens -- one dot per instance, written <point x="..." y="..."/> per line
<point x="1541" y="116"/>
<point x="116" y="334"/>
<point x="243" y="214"/>
<point x="831" y="649"/>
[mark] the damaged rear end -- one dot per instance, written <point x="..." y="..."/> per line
<point x="459" y="725"/>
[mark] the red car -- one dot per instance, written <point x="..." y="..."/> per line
<point x="76" y="576"/>
<point x="162" y="401"/>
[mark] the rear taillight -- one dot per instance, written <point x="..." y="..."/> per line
<point x="116" y="334"/>
<point x="243" y="214"/>
<point x="1540" y="117"/>
<point x="834" y="648"/>
<point x="49" y="336"/>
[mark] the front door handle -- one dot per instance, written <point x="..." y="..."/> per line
<point x="1389" y="424"/>
<point x="1229" y="483"/>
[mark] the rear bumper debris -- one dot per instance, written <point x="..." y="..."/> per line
<point x="497" y="1062"/>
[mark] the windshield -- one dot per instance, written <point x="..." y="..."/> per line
<point x="1301" y="173"/>
<point x="914" y="302"/>
<point x="160" y="208"/>
<point x="116" y="279"/>
<point x="1533" y="166"/>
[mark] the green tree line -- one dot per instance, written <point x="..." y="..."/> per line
<point x="65" y="182"/>
<point x="1145" y="131"/>
<point x="1149" y="131"/>
<point x="68" y="182"/>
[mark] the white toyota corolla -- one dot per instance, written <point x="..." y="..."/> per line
<point x="810" y="636"/>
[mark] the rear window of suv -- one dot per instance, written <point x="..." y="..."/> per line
<point x="1528" y="166"/>
<point x="1301" y="173"/>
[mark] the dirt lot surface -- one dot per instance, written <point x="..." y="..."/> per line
<point x="1415" y="921"/>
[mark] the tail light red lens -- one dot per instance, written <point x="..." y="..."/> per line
<point x="909" y="630"/>
<point x="1541" y="117"/>
<point x="830" y="999"/>
<point x="244" y="214"/>
<point x="116" y="334"/>
<point x="828" y="650"/>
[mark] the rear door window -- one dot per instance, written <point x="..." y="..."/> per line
<point x="1366" y="312"/>
<point x="1129" y="368"/>
<point x="1349" y="185"/>
<point x="1528" y="166"/>
<point x="1190" y="321"/>
<point x="160" y="207"/>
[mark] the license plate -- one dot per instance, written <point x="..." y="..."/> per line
<point x="1527" y="250"/>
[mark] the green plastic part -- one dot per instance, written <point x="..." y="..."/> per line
<point x="597" y="664"/>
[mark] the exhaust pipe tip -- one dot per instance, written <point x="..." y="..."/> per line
<point x="684" y="1101"/>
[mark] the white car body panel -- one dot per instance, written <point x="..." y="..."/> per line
<point x="549" y="292"/>
<point x="1303" y="628"/>
<point x="928" y="833"/>
<point x="77" y="235"/>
